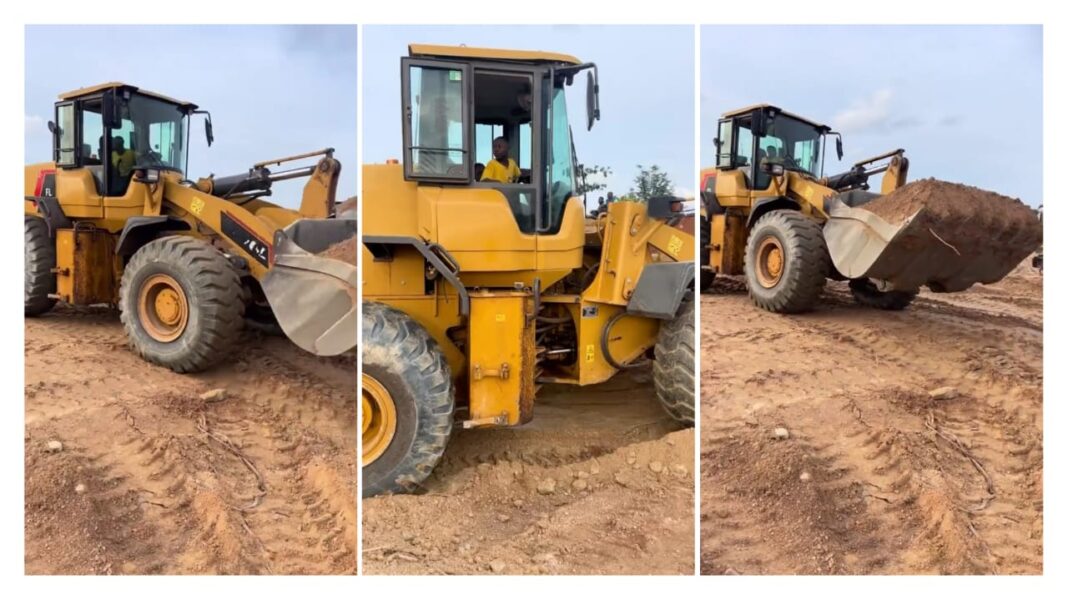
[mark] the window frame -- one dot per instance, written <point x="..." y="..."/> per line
<point x="467" y="120"/>
<point x="57" y="149"/>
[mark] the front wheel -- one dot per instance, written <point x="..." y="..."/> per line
<point x="674" y="365"/>
<point x="407" y="402"/>
<point x="786" y="262"/>
<point x="181" y="303"/>
<point x="866" y="294"/>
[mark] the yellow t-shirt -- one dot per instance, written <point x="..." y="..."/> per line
<point x="495" y="171"/>
<point x="123" y="162"/>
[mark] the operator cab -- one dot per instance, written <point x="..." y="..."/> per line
<point x="765" y="141"/>
<point x="458" y="100"/>
<point x="116" y="130"/>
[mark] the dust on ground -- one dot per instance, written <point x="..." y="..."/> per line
<point x="160" y="473"/>
<point x="908" y="442"/>
<point x="600" y="482"/>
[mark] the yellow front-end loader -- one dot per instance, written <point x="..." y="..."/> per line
<point x="113" y="220"/>
<point x="477" y="291"/>
<point x="768" y="212"/>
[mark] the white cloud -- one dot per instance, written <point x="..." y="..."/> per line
<point x="35" y="125"/>
<point x="873" y="112"/>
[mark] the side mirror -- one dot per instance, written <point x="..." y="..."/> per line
<point x="208" y="134"/>
<point x="838" y="146"/>
<point x="109" y="109"/>
<point x="53" y="128"/>
<point x="593" y="99"/>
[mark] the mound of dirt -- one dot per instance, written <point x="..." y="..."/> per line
<point x="349" y="205"/>
<point x="962" y="215"/>
<point x="344" y="251"/>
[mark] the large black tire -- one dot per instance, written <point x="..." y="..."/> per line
<point x="40" y="281"/>
<point x="404" y="359"/>
<point x="214" y="299"/>
<point x="866" y="294"/>
<point x="804" y="265"/>
<point x="673" y="369"/>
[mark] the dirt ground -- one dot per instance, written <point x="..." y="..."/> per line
<point x="600" y="482"/>
<point x="875" y="469"/>
<point x="156" y="476"/>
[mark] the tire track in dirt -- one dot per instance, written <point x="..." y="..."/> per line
<point x="252" y="483"/>
<point x="895" y="481"/>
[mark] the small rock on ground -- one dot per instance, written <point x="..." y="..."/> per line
<point x="943" y="393"/>
<point x="214" y="395"/>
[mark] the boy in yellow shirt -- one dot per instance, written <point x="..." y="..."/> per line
<point x="501" y="168"/>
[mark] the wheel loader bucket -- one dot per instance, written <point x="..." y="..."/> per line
<point x="313" y="297"/>
<point x="946" y="256"/>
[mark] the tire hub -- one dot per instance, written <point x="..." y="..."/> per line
<point x="770" y="261"/>
<point x="379" y="419"/>
<point x="163" y="308"/>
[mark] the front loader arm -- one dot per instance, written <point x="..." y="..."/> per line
<point x="240" y="230"/>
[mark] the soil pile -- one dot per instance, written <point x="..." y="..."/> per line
<point x="348" y="208"/>
<point x="344" y="251"/>
<point x="963" y="216"/>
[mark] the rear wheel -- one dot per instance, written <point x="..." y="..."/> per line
<point x="786" y="262"/>
<point x="40" y="281"/>
<point x="181" y="303"/>
<point x="866" y="294"/>
<point x="407" y="402"/>
<point x="674" y="365"/>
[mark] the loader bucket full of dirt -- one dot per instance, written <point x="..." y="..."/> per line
<point x="931" y="233"/>
<point x="312" y="285"/>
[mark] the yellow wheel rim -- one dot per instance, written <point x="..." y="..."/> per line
<point x="163" y="308"/>
<point x="770" y="259"/>
<point x="378" y="421"/>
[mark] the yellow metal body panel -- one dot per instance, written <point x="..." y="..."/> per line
<point x="468" y="52"/>
<point x="86" y="267"/>
<point x="475" y="225"/>
<point x="501" y="359"/>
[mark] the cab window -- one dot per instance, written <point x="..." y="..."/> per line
<point x="435" y="122"/>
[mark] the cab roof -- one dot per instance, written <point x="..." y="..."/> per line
<point x="749" y="109"/>
<point x="468" y="52"/>
<point x="86" y="91"/>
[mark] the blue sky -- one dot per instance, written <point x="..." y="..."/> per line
<point x="272" y="91"/>
<point x="965" y="102"/>
<point x="646" y="82"/>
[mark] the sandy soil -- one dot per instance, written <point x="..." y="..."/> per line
<point x="600" y="482"/>
<point x="156" y="477"/>
<point x="876" y="475"/>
